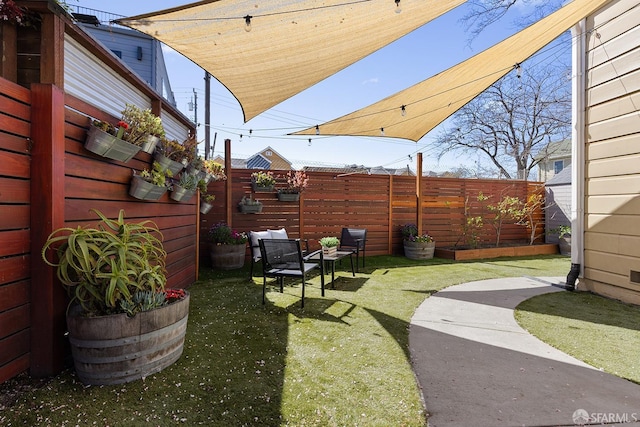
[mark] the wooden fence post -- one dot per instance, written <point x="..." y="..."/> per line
<point x="48" y="301"/>
<point x="419" y="193"/>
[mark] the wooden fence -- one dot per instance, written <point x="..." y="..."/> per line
<point x="379" y="203"/>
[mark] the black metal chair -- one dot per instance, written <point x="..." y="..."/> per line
<point x="354" y="240"/>
<point x="283" y="258"/>
<point x="255" y="236"/>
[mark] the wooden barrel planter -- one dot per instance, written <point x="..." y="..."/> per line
<point x="419" y="250"/>
<point x="227" y="257"/>
<point x="119" y="349"/>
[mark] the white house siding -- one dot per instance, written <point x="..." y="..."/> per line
<point x="558" y="199"/>
<point x="88" y="78"/>
<point x="612" y="157"/>
<point x="173" y="128"/>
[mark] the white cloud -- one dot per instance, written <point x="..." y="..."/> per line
<point x="372" y="80"/>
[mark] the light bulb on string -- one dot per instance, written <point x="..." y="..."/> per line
<point x="317" y="130"/>
<point x="309" y="142"/>
<point x="250" y="132"/>
<point x="381" y="131"/>
<point x="398" y="8"/>
<point x="403" y="111"/>
<point x="518" y="69"/>
<point x="240" y="138"/>
<point x="247" y="21"/>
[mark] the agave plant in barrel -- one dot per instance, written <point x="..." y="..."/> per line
<point x="112" y="272"/>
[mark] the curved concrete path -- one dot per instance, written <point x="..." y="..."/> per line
<point x="476" y="366"/>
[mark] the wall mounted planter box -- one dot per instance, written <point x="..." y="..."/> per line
<point x="262" y="189"/>
<point x="144" y="190"/>
<point x="205" y="207"/>
<point x="288" y="197"/>
<point x="107" y="145"/>
<point x="167" y="163"/>
<point x="150" y="143"/>
<point x="180" y="194"/>
<point x="506" y="251"/>
<point x="250" y="208"/>
<point x="118" y="349"/>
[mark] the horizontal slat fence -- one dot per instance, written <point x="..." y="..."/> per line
<point x="94" y="182"/>
<point x="379" y="203"/>
<point x="15" y="257"/>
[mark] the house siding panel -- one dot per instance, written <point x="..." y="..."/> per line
<point x="612" y="172"/>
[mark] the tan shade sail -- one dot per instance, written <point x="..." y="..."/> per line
<point x="292" y="44"/>
<point x="430" y="102"/>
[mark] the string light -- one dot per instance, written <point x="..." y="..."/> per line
<point x="518" y="69"/>
<point x="398" y="8"/>
<point x="250" y="132"/>
<point x="247" y="21"/>
<point x="309" y="142"/>
<point x="403" y="111"/>
<point x="240" y="138"/>
<point x="317" y="130"/>
<point x="381" y="131"/>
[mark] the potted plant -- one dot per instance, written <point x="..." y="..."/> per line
<point x="228" y="247"/>
<point x="564" y="238"/>
<point x="249" y="205"/>
<point x="296" y="183"/>
<point x="417" y="246"/>
<point x="145" y="128"/>
<point x="185" y="188"/>
<point x="171" y="154"/>
<point x="214" y="170"/>
<point x="106" y="140"/>
<point x="329" y="245"/>
<point x="263" y="181"/>
<point x="206" y="199"/>
<point x="122" y="323"/>
<point x="150" y="184"/>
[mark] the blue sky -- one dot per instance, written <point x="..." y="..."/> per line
<point x="411" y="59"/>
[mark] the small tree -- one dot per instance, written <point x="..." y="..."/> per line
<point x="527" y="215"/>
<point x="508" y="208"/>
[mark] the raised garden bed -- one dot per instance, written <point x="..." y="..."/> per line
<point x="503" y="251"/>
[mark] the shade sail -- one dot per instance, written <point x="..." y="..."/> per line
<point x="292" y="45"/>
<point x="430" y="102"/>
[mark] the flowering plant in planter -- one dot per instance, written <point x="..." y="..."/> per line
<point x="172" y="149"/>
<point x="263" y="179"/>
<point x="410" y="234"/>
<point x="222" y="234"/>
<point x="214" y="169"/>
<point x="142" y="123"/>
<point x="157" y="176"/>
<point x="296" y="182"/>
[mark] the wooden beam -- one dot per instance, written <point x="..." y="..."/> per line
<point x="48" y="300"/>
<point x="419" y="193"/>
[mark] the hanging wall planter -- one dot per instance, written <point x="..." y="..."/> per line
<point x="205" y="207"/>
<point x="288" y="197"/>
<point x="106" y="145"/>
<point x="180" y="194"/>
<point x="167" y="163"/>
<point x="149" y="145"/>
<point x="144" y="190"/>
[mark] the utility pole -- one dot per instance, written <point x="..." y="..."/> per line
<point x="195" y="108"/>
<point x="207" y="114"/>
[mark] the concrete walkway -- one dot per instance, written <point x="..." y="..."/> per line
<point x="477" y="367"/>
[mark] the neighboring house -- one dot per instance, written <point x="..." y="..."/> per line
<point x="553" y="159"/>
<point x="606" y="152"/>
<point x="558" y="201"/>
<point x="268" y="158"/>
<point x="140" y="52"/>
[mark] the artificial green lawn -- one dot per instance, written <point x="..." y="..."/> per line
<point x="602" y="332"/>
<point x="343" y="360"/>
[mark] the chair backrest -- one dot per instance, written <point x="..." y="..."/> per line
<point x="281" y="254"/>
<point x="353" y="237"/>
<point x="255" y="236"/>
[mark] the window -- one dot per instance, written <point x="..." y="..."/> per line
<point x="268" y="153"/>
<point x="558" y="165"/>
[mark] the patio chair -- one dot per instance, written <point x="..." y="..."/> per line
<point x="283" y="258"/>
<point x="254" y="236"/>
<point x="354" y="240"/>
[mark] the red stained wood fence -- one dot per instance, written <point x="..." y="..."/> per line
<point x="379" y="203"/>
